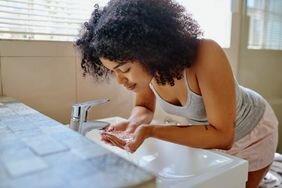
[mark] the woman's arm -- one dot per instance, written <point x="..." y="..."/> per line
<point x="142" y="113"/>
<point x="198" y="136"/>
<point x="144" y="109"/>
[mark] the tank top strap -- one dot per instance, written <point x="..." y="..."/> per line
<point x="185" y="80"/>
<point x="153" y="89"/>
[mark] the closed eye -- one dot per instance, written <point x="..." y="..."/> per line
<point x="126" y="71"/>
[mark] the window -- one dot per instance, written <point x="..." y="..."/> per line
<point x="265" y="24"/>
<point x="61" y="20"/>
<point x="43" y="19"/>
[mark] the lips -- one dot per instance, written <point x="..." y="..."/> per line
<point x="130" y="87"/>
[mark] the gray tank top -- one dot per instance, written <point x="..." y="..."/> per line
<point x="250" y="107"/>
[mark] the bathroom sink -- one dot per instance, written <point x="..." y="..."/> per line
<point x="181" y="166"/>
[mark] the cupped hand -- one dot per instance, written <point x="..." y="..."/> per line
<point x="119" y="126"/>
<point x="122" y="126"/>
<point x="128" y="141"/>
<point x="116" y="138"/>
<point x="141" y="133"/>
<point x="112" y="139"/>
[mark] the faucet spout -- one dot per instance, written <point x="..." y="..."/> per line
<point x="93" y="125"/>
<point x="80" y="112"/>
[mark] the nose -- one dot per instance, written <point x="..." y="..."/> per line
<point x="121" y="79"/>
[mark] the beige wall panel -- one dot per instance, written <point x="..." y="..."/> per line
<point x="21" y="48"/>
<point x="46" y="84"/>
<point x="263" y="76"/>
<point x="1" y="89"/>
<point x="121" y="99"/>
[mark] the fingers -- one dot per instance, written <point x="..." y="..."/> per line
<point x="105" y="128"/>
<point x="121" y="126"/>
<point x="105" y="140"/>
<point x="113" y="140"/>
<point x="133" y="145"/>
<point x="116" y="141"/>
<point x="110" y="129"/>
<point x="124" y="141"/>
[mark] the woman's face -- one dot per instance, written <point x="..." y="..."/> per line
<point x="131" y="75"/>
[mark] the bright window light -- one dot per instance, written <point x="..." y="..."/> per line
<point x="265" y="24"/>
<point x="60" y="20"/>
<point x="213" y="16"/>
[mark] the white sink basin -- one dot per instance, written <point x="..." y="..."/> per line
<point x="180" y="166"/>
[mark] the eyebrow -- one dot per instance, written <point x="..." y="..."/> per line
<point x="117" y="66"/>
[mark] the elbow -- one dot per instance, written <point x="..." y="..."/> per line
<point x="227" y="146"/>
<point x="227" y="139"/>
<point x="224" y="138"/>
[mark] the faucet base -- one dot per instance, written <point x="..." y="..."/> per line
<point x="91" y="125"/>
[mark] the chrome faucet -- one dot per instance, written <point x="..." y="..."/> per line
<point x="79" y="114"/>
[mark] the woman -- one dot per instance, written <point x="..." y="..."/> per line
<point x="155" y="49"/>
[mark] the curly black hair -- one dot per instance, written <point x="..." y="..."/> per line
<point x="160" y="34"/>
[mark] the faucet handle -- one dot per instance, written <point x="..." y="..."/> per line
<point x="89" y="104"/>
<point x="80" y="110"/>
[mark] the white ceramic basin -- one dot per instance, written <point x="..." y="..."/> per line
<point x="180" y="166"/>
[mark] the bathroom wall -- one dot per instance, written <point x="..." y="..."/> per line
<point x="1" y="93"/>
<point x="47" y="77"/>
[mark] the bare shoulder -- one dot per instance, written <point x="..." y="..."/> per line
<point x="209" y="48"/>
<point x="209" y="44"/>
<point x="210" y="56"/>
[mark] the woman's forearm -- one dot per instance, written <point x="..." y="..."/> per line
<point x="198" y="136"/>
<point x="140" y="115"/>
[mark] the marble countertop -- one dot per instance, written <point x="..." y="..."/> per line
<point x="39" y="152"/>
